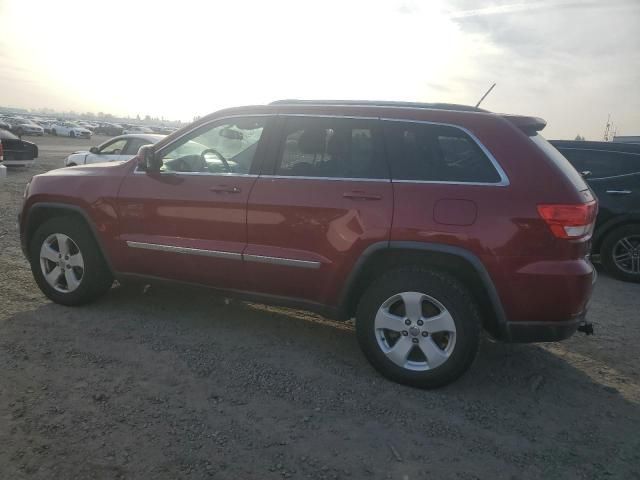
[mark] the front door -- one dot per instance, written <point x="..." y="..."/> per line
<point x="188" y="221"/>
<point x="322" y="198"/>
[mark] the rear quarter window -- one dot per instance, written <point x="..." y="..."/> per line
<point x="436" y="153"/>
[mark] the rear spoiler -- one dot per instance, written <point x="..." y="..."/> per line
<point x="529" y="125"/>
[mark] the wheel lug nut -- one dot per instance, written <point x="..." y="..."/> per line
<point x="407" y="322"/>
<point x="420" y="322"/>
<point x="414" y="340"/>
<point x="424" y="334"/>
<point x="405" y="333"/>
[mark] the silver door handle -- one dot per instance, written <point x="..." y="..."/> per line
<point x="225" y="189"/>
<point x="618" y="192"/>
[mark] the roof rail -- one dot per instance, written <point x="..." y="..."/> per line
<point x="381" y="103"/>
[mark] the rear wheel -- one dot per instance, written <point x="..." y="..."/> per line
<point x="418" y="327"/>
<point x="67" y="263"/>
<point x="620" y="253"/>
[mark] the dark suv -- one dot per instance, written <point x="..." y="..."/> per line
<point x="613" y="173"/>
<point x="425" y="222"/>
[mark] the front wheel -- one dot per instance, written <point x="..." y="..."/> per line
<point x="620" y="253"/>
<point x="418" y="327"/>
<point x="67" y="263"/>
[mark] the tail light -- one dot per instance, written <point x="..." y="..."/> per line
<point x="569" y="221"/>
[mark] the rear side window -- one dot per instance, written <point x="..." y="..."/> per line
<point x="600" y="163"/>
<point x="436" y="153"/>
<point x="331" y="148"/>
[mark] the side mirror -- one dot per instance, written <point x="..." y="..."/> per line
<point x="147" y="159"/>
<point x="93" y="150"/>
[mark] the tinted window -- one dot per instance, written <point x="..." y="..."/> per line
<point x="228" y="146"/>
<point x="331" y="147"/>
<point x="436" y="153"/>
<point x="134" y="145"/>
<point x="601" y="163"/>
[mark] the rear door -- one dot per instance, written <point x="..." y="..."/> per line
<point x="188" y="221"/>
<point x="323" y="197"/>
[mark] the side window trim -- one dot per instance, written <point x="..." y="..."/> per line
<point x="504" y="179"/>
<point x="194" y="132"/>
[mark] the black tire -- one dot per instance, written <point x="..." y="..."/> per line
<point x="610" y="247"/>
<point x="451" y="294"/>
<point x="72" y="134"/>
<point x="96" y="279"/>
<point x="53" y="132"/>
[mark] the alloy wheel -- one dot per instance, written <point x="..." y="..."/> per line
<point x="626" y="254"/>
<point x="61" y="263"/>
<point x="415" y="331"/>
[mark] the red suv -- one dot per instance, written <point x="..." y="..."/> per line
<point x="425" y="222"/>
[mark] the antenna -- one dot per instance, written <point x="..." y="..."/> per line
<point x="485" y="95"/>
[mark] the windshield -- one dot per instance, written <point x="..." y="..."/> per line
<point x="561" y="162"/>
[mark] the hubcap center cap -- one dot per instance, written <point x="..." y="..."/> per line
<point x="414" y="331"/>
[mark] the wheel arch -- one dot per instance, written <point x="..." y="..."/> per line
<point x="456" y="261"/>
<point x="610" y="226"/>
<point x="41" y="212"/>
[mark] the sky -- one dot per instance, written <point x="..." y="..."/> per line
<point x="570" y="62"/>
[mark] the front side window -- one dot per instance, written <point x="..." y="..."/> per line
<point x="113" y="148"/>
<point x="436" y="153"/>
<point x="228" y="146"/>
<point x="331" y="148"/>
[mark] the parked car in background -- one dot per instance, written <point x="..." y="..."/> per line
<point x="425" y="222"/>
<point x="137" y="129"/>
<point x="5" y="125"/>
<point x="123" y="147"/>
<point x="70" y="129"/>
<point x="109" y="129"/>
<point x="15" y="151"/>
<point x="87" y="125"/>
<point x="613" y="173"/>
<point x="21" y="126"/>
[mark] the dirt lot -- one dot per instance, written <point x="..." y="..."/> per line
<point x="176" y="383"/>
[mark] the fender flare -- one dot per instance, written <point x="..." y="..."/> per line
<point x="71" y="208"/>
<point x="472" y="259"/>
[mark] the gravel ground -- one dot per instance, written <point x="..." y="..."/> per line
<point x="178" y="383"/>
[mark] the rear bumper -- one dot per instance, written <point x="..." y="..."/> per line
<point x="529" y="332"/>
<point x="545" y="301"/>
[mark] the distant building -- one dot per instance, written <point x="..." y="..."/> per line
<point x="627" y="139"/>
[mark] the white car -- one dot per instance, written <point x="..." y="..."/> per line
<point x="70" y="129"/>
<point x="137" y="129"/>
<point x="117" y="149"/>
